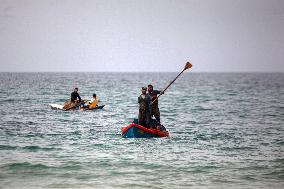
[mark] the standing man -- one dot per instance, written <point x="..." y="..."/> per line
<point x="144" y="115"/>
<point x="154" y="106"/>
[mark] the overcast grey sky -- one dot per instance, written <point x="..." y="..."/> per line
<point x="142" y="35"/>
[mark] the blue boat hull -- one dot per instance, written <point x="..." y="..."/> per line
<point x="137" y="131"/>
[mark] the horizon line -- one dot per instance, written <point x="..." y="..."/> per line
<point x="140" y="72"/>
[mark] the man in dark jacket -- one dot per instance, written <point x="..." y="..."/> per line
<point x="68" y="105"/>
<point x="154" y="110"/>
<point x="144" y="101"/>
<point x="75" y="95"/>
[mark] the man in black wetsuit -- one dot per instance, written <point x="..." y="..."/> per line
<point x="75" y="95"/>
<point x="154" y="106"/>
<point x="68" y="105"/>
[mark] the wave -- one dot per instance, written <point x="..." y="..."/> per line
<point x="7" y="147"/>
<point x="216" y="136"/>
<point x="199" y="108"/>
<point x="29" y="148"/>
<point x="24" y="165"/>
<point x="280" y="160"/>
<point x="9" y="100"/>
<point x="276" y="173"/>
<point x="27" y="166"/>
<point x="201" y="169"/>
<point x="238" y="148"/>
<point x="37" y="148"/>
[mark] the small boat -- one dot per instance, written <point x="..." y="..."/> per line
<point x="60" y="107"/>
<point x="134" y="130"/>
<point x="95" y="108"/>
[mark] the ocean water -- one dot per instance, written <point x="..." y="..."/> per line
<point x="226" y="131"/>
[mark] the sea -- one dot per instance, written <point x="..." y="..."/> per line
<point x="226" y="131"/>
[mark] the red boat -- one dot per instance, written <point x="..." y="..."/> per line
<point x="134" y="130"/>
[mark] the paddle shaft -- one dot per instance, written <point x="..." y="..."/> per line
<point x="169" y="85"/>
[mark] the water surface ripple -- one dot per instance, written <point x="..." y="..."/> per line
<point x="226" y="131"/>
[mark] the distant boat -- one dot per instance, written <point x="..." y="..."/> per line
<point x="60" y="107"/>
<point x="134" y="130"/>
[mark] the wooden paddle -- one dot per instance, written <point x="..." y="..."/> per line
<point x="187" y="66"/>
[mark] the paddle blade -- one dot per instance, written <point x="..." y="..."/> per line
<point x="187" y="65"/>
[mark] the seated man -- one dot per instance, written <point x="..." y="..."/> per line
<point x="75" y="95"/>
<point x="93" y="102"/>
<point x="74" y="101"/>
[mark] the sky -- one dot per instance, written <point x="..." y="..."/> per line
<point x="141" y="36"/>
